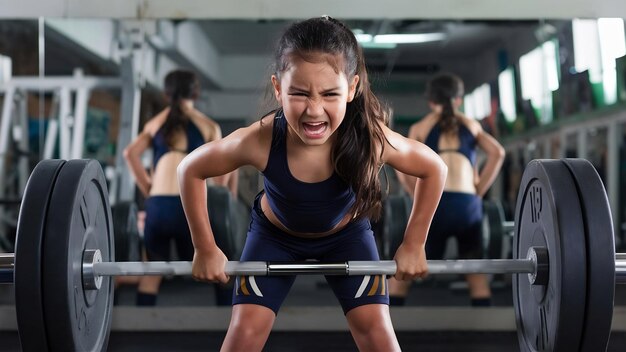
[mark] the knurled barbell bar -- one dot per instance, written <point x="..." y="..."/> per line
<point x="94" y="269"/>
<point x="563" y="240"/>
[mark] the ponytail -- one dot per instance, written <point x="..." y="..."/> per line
<point x="176" y="121"/>
<point x="179" y="85"/>
<point x="448" y="122"/>
<point x="442" y="90"/>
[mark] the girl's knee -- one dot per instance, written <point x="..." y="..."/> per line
<point x="369" y="318"/>
<point x="251" y="321"/>
<point x="247" y="332"/>
<point x="369" y="326"/>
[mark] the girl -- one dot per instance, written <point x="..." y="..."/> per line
<point x="455" y="137"/>
<point x="320" y="153"/>
<point x="174" y="132"/>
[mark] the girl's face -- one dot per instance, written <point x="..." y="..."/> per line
<point x="314" y="97"/>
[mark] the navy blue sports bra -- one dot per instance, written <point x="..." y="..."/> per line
<point x="467" y="142"/>
<point x="160" y="147"/>
<point x="302" y="206"/>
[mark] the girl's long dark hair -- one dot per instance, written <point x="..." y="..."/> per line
<point x="360" y="141"/>
<point x="442" y="90"/>
<point x="179" y="85"/>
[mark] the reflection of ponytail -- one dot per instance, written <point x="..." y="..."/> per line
<point x="179" y="85"/>
<point x="442" y="90"/>
<point x="175" y="121"/>
<point x="448" y="121"/>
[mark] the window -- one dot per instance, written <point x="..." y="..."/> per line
<point x="5" y="68"/>
<point x="477" y="104"/>
<point x="506" y="90"/>
<point x="539" y="78"/>
<point x="597" y="43"/>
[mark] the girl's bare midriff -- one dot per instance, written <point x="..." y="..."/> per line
<point x="164" y="181"/>
<point x="460" y="173"/>
<point x="269" y="214"/>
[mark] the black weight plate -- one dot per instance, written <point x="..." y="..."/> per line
<point x="28" y="246"/>
<point x="548" y="214"/>
<point x="126" y="232"/>
<point x="79" y="218"/>
<point x="396" y="218"/>
<point x="600" y="255"/>
<point x="220" y="216"/>
<point x="493" y="230"/>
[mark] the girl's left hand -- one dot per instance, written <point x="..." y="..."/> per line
<point x="410" y="262"/>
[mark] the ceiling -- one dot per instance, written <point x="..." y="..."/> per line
<point x="249" y="27"/>
<point x="285" y="9"/>
<point x="464" y="39"/>
<point x="258" y="37"/>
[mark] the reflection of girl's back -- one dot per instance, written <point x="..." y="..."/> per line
<point x="457" y="149"/>
<point x="182" y="141"/>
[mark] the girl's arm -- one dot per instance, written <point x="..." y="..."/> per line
<point x="132" y="155"/>
<point x="416" y="159"/>
<point x="216" y="158"/>
<point x="495" y="158"/>
<point x="211" y="131"/>
<point x="408" y="182"/>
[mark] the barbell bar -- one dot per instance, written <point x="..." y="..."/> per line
<point x="348" y="268"/>
<point x="93" y="268"/>
<point x="6" y="267"/>
<point x="536" y="266"/>
<point x="620" y="268"/>
<point x="384" y="267"/>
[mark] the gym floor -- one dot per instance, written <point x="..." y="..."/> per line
<point x="314" y="341"/>
<point x="312" y="291"/>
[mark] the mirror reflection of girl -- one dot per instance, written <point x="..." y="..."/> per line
<point x="172" y="134"/>
<point x="455" y="137"/>
<point x="320" y="154"/>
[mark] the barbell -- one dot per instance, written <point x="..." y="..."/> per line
<point x="564" y="263"/>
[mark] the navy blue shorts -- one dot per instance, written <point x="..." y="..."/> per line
<point x="166" y="221"/>
<point x="458" y="215"/>
<point x="266" y="242"/>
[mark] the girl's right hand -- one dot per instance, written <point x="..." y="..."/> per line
<point x="209" y="266"/>
<point x="411" y="262"/>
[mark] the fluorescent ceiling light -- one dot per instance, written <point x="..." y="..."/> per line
<point x="408" y="38"/>
<point x="374" y="45"/>
<point x="367" y="41"/>
<point x="363" y="38"/>
<point x="389" y="41"/>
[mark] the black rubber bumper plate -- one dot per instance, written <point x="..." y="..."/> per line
<point x="79" y="218"/>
